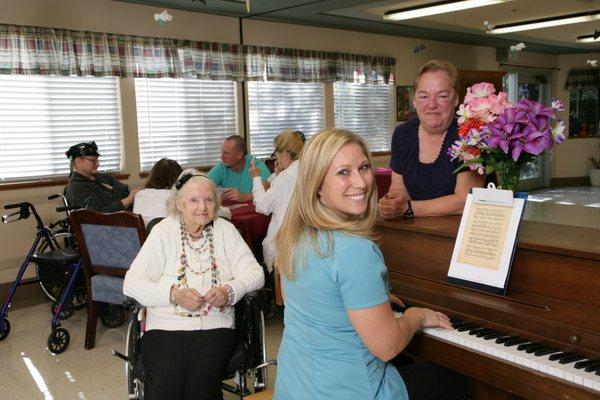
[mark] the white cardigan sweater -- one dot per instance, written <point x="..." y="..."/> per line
<point x="275" y="202"/>
<point x="154" y="271"/>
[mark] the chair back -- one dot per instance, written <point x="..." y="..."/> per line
<point x="109" y="242"/>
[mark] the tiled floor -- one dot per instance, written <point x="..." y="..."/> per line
<point x="29" y="371"/>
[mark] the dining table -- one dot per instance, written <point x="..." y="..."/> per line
<point x="252" y="225"/>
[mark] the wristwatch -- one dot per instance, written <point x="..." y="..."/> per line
<point x="409" y="213"/>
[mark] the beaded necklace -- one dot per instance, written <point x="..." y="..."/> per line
<point x="206" y="252"/>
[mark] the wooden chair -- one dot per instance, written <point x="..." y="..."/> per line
<point x="108" y="243"/>
<point x="264" y="395"/>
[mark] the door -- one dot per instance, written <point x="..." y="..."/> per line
<point x="525" y="84"/>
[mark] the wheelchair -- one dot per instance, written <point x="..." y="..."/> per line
<point x="249" y="359"/>
<point x="64" y="261"/>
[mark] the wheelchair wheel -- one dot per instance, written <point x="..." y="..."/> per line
<point x="67" y="310"/>
<point x="5" y="329"/>
<point x="134" y="370"/>
<point x="113" y="316"/>
<point x="58" y="341"/>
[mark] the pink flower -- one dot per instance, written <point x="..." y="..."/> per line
<point x="483" y="89"/>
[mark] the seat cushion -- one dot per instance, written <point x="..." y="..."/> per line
<point x="58" y="257"/>
<point x="108" y="289"/>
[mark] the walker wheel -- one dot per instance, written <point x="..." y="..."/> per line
<point x="67" y="310"/>
<point x="58" y="341"/>
<point x="5" y="329"/>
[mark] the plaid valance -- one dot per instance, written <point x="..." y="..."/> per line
<point x="583" y="79"/>
<point x="30" y="50"/>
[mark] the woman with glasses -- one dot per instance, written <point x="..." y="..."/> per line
<point x="90" y="189"/>
<point x="288" y="145"/>
<point x="423" y="178"/>
<point x="189" y="273"/>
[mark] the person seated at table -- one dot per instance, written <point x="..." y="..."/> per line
<point x="189" y="273"/>
<point x="91" y="189"/>
<point x="423" y="181"/>
<point x="232" y="172"/>
<point x="340" y="331"/>
<point x="274" y="201"/>
<point x="151" y="202"/>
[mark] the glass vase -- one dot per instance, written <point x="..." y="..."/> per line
<point x="508" y="174"/>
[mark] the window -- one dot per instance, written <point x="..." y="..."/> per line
<point x="583" y="113"/>
<point x="366" y="110"/>
<point x="184" y="119"/>
<point x="41" y="117"/>
<point x="276" y="106"/>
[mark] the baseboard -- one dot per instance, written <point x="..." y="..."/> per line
<point x="28" y="293"/>
<point x="570" y="181"/>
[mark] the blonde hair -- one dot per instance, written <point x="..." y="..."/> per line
<point x="172" y="209"/>
<point x="439" y="65"/>
<point x="306" y="215"/>
<point x="289" y="141"/>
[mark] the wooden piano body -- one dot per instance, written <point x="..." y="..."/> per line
<point x="553" y="297"/>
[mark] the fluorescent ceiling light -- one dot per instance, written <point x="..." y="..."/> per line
<point x="546" y="22"/>
<point x="439" y="7"/>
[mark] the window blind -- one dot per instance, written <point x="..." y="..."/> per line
<point x="276" y="106"/>
<point x="366" y="110"/>
<point x="42" y="116"/>
<point x="184" y="119"/>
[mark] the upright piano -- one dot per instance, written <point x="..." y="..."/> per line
<point x="540" y="341"/>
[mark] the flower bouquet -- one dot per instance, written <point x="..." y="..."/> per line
<point x="498" y="136"/>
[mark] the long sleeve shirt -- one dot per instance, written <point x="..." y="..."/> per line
<point x="154" y="271"/>
<point x="104" y="193"/>
<point x="275" y="202"/>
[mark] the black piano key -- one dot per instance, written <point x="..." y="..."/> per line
<point x="571" y="358"/>
<point x="582" y="364"/>
<point x="545" y="351"/>
<point x="556" y="356"/>
<point x="467" y="327"/>
<point x="532" y="349"/>
<point x="455" y="321"/>
<point x="484" y="332"/>
<point x="504" y="339"/>
<point x="515" y="341"/>
<point x="593" y="366"/>
<point x="525" y="346"/>
<point x="475" y="331"/>
<point x="494" y="335"/>
<point x="598" y="372"/>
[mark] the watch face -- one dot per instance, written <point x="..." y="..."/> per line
<point x="409" y="213"/>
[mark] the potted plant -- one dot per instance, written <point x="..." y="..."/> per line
<point x="595" y="171"/>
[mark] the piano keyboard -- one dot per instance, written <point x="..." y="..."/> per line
<point x="568" y="366"/>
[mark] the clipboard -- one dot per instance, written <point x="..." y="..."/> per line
<point x="486" y="241"/>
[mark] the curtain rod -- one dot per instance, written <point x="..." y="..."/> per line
<point x="528" y="66"/>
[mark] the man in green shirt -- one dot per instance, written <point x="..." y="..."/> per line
<point x="232" y="172"/>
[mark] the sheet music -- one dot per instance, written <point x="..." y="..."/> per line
<point x="486" y="238"/>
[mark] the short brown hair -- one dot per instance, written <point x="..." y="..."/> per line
<point x="439" y="65"/>
<point x="163" y="174"/>
<point x="240" y="143"/>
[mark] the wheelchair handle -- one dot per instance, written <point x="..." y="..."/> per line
<point x="15" y="205"/>
<point x="67" y="208"/>
<point x="53" y="196"/>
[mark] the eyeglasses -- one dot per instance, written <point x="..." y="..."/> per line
<point x="92" y="160"/>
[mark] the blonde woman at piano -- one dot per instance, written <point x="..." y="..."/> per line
<point x="340" y="332"/>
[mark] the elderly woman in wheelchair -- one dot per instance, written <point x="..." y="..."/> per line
<point x="189" y="274"/>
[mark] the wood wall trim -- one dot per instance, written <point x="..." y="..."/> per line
<point x="570" y="181"/>
<point x="47" y="182"/>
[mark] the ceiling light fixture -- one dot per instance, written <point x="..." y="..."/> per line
<point x="594" y="37"/>
<point x="439" y="7"/>
<point x="546" y="22"/>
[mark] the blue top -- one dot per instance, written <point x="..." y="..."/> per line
<point x="423" y="181"/>
<point x="321" y="355"/>
<point x="226" y="177"/>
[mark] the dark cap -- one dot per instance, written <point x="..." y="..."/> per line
<point x="82" y="149"/>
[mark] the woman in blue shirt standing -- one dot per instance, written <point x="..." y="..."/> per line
<point x="340" y="331"/>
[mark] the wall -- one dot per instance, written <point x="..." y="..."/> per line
<point x="126" y="18"/>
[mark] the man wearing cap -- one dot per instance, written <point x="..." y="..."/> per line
<point x="232" y="172"/>
<point x="90" y="189"/>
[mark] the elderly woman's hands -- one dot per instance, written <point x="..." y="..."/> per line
<point x="188" y="298"/>
<point x="217" y="296"/>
